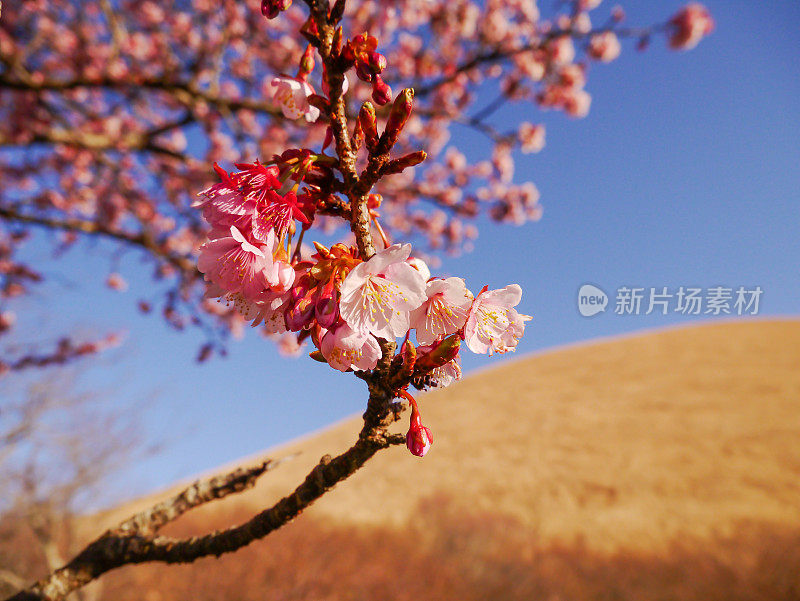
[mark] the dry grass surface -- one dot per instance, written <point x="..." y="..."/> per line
<point x="629" y="442"/>
<point x="664" y="465"/>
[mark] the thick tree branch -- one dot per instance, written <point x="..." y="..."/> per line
<point x="151" y="520"/>
<point x="82" y="226"/>
<point x="185" y="93"/>
<point x="114" y="547"/>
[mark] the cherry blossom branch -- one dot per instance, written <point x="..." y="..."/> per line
<point x="65" y="352"/>
<point x="83" y="226"/>
<point x="89" y="141"/>
<point x="135" y="539"/>
<point x="185" y="92"/>
<point x="500" y="55"/>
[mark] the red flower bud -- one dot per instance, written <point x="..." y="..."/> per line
<point x="328" y="138"/>
<point x="336" y="45"/>
<point x="404" y="162"/>
<point x="381" y="92"/>
<point x="272" y="8"/>
<point x="301" y="313"/>
<point x="398" y="117"/>
<point x="348" y="54"/>
<point x="376" y="62"/>
<point x="442" y="353"/>
<point x="268" y="9"/>
<point x="364" y="73"/>
<point x="326" y="309"/>
<point x="419" y="438"/>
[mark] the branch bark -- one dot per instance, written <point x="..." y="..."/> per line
<point x="115" y="547"/>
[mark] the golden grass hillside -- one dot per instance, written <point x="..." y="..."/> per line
<point x="623" y="445"/>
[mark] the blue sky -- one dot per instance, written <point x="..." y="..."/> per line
<point x="685" y="173"/>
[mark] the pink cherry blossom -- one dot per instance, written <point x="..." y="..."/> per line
<point x="577" y="103"/>
<point x="444" y="311"/>
<point x="234" y="264"/>
<point x="270" y="313"/>
<point x="604" y="47"/>
<point x="269" y="209"/>
<point x="531" y="137"/>
<point x="284" y="275"/>
<point x="689" y="26"/>
<point x="420" y="266"/>
<point x="346" y="348"/>
<point x="493" y="325"/>
<point x="275" y="212"/>
<point x="291" y="94"/>
<point x="378" y="295"/>
<point x="445" y="375"/>
<point x="223" y="205"/>
<point x="288" y="345"/>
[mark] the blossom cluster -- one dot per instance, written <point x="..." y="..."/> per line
<point x="343" y="303"/>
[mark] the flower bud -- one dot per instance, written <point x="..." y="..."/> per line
<point x="286" y="275"/>
<point x="323" y="251"/>
<point x="409" y="354"/>
<point x="410" y="160"/>
<point x="376" y="62"/>
<point x="272" y="8"/>
<point x="317" y="356"/>
<point x="419" y="438"/>
<point x="328" y="138"/>
<point x="326" y="309"/>
<point x="301" y="313"/>
<point x="442" y="353"/>
<point x="364" y="73"/>
<point x="398" y="117"/>
<point x="306" y="62"/>
<point x="301" y="287"/>
<point x="348" y="54"/>
<point x="381" y="92"/>
<point x="336" y="43"/>
<point x="369" y="125"/>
